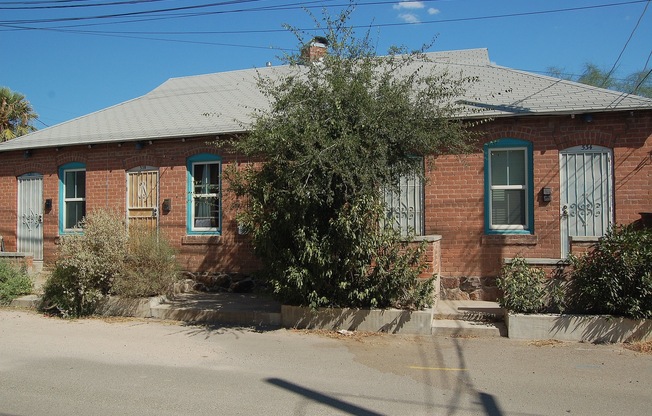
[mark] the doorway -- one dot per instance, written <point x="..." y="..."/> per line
<point x="586" y="194"/>
<point x="29" y="233"/>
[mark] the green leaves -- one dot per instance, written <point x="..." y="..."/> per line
<point x="522" y="286"/>
<point x="16" y="115"/>
<point x="14" y="282"/>
<point x="615" y="277"/>
<point x="337" y="133"/>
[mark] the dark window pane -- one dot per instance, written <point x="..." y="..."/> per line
<point x="69" y="184"/>
<point x="517" y="167"/>
<point x="508" y="207"/>
<point x="499" y="167"/>
<point x="75" y="211"/>
<point x="206" y="212"/>
<point x="81" y="184"/>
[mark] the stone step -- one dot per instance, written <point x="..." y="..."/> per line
<point x="27" y="302"/>
<point x="467" y="329"/>
<point x="473" y="311"/>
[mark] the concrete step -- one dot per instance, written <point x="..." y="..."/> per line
<point x="468" y="329"/>
<point x="472" y="311"/>
<point x="27" y="302"/>
<point x="216" y="316"/>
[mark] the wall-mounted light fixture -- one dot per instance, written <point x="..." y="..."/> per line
<point x="139" y="145"/>
<point x="48" y="204"/>
<point x="27" y="154"/>
<point x="167" y="205"/>
<point x="587" y="118"/>
<point x="546" y="194"/>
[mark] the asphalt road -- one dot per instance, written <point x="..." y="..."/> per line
<point x="50" y="366"/>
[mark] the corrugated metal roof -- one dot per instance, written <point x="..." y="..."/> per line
<point x="222" y="103"/>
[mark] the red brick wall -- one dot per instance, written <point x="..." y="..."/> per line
<point x="455" y="190"/>
<point x="106" y="187"/>
<point x="454" y="200"/>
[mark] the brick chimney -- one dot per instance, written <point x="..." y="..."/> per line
<point x="314" y="50"/>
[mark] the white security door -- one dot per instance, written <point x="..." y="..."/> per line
<point x="30" y="215"/>
<point x="586" y="195"/>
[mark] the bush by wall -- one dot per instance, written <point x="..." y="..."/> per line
<point x="107" y="259"/>
<point x="14" y="282"/>
<point x="522" y="287"/>
<point x="615" y="277"/>
<point x="149" y="267"/>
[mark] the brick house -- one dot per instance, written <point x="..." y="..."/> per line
<point x="558" y="163"/>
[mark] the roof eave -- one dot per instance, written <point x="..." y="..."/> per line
<point x="121" y="140"/>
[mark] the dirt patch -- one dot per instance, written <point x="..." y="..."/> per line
<point x="644" y="347"/>
<point x="546" y="343"/>
<point x="358" y="336"/>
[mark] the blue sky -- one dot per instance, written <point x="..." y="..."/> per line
<point x="74" y="57"/>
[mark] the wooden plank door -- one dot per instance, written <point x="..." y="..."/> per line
<point x="142" y="197"/>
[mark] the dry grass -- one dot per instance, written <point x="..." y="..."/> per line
<point x="545" y="343"/>
<point x="644" y="347"/>
<point x="349" y="335"/>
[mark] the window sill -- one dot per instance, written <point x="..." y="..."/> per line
<point x="431" y="238"/>
<point x="584" y="239"/>
<point x="201" y="240"/>
<point x="540" y="262"/>
<point x="510" y="240"/>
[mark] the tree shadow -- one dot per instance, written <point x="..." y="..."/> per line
<point x="324" y="399"/>
<point x="458" y="379"/>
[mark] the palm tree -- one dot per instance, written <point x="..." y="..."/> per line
<point x="16" y="115"/>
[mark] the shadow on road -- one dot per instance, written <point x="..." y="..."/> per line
<point x="322" y="398"/>
<point x="459" y="380"/>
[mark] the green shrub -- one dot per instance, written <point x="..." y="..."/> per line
<point x="68" y="294"/>
<point x="14" y="282"/>
<point x="330" y="143"/>
<point x="149" y="268"/>
<point x="346" y="261"/>
<point x="97" y="255"/>
<point x="615" y="277"/>
<point x="105" y="259"/>
<point x="523" y="287"/>
<point x="87" y="264"/>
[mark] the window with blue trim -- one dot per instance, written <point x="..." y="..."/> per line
<point x="72" y="196"/>
<point x="204" y="194"/>
<point x="509" y="199"/>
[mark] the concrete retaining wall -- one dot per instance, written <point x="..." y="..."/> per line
<point x="388" y="320"/>
<point x="588" y="328"/>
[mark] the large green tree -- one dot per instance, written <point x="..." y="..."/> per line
<point x="337" y="133"/>
<point x="639" y="82"/>
<point x="16" y="115"/>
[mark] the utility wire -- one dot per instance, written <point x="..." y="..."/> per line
<point x="128" y="14"/>
<point x="48" y="5"/>
<point x="302" y="6"/>
<point x="631" y="35"/>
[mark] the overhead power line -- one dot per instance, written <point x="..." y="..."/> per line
<point x="51" y="5"/>
<point x="631" y="35"/>
<point x="18" y="24"/>
<point x="301" y="5"/>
